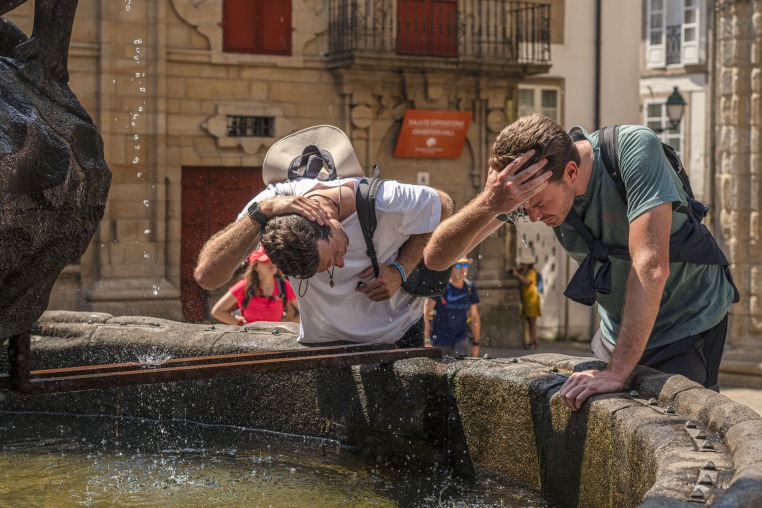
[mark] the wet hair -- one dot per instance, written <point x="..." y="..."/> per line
<point x="544" y="135"/>
<point x="291" y="242"/>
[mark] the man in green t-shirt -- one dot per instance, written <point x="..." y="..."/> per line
<point x="655" y="310"/>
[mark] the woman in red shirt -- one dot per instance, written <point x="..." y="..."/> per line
<point x="261" y="295"/>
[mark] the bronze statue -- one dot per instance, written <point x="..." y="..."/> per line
<point x="53" y="179"/>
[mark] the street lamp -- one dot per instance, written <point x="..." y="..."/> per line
<point x="675" y="108"/>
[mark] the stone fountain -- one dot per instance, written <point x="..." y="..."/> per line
<point x="665" y="442"/>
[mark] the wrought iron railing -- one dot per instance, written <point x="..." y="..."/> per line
<point x="503" y="31"/>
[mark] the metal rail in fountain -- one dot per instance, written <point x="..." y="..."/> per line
<point x="23" y="380"/>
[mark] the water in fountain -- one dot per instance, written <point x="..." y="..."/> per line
<point x="99" y="461"/>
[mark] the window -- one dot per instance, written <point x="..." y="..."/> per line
<point x="256" y="26"/>
<point x="656" y="118"/>
<point x="251" y="126"/>
<point x="543" y="100"/>
<point x="427" y="27"/>
<point x="674" y="35"/>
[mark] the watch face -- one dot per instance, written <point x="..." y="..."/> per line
<point x="258" y="215"/>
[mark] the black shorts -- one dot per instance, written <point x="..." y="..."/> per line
<point x="696" y="357"/>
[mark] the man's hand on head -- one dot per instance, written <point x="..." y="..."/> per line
<point x="505" y="190"/>
<point x="581" y="385"/>
<point x="308" y="208"/>
<point x="384" y="286"/>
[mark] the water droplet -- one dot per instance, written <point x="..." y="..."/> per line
<point x="136" y="57"/>
<point x="140" y="108"/>
<point x="147" y="232"/>
<point x="138" y="41"/>
<point x="140" y="174"/>
<point x="132" y="123"/>
<point x="135" y="160"/>
<point x="155" y="289"/>
<point x="113" y="82"/>
<point x="137" y="147"/>
<point x="146" y="202"/>
<point x="137" y="50"/>
<point x="136" y="137"/>
<point x="147" y="255"/>
<point x="134" y="116"/>
<point x="142" y="89"/>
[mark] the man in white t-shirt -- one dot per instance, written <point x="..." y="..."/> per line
<point x="310" y="229"/>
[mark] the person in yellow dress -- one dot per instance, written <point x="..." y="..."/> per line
<point x="531" y="308"/>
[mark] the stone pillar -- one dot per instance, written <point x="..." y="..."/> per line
<point x="738" y="164"/>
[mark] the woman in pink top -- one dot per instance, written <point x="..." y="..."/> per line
<point x="261" y="295"/>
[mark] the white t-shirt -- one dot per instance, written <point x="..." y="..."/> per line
<point x="341" y="312"/>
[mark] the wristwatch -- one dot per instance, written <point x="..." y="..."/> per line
<point x="256" y="214"/>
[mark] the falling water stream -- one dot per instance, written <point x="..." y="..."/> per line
<point x="65" y="460"/>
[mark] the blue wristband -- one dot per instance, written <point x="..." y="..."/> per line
<point x="401" y="270"/>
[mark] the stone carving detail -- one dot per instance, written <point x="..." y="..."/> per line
<point x="53" y="179"/>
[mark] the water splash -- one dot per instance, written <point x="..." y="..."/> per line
<point x="149" y="360"/>
<point x="515" y="217"/>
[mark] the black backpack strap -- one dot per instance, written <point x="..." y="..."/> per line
<point x="365" y="203"/>
<point x="608" y="145"/>
<point x="281" y="290"/>
<point x="247" y="296"/>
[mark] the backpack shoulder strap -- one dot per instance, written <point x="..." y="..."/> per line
<point x="608" y="145"/>
<point x="365" y="203"/>
<point x="281" y="290"/>
<point x="247" y="296"/>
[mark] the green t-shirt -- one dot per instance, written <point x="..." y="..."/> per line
<point x="696" y="297"/>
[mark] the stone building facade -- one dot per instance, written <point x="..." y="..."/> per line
<point x="188" y="107"/>
<point x="736" y="165"/>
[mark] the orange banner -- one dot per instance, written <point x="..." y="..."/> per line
<point x="433" y="134"/>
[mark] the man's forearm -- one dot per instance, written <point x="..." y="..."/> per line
<point x="411" y="252"/>
<point x="641" y="306"/>
<point x="459" y="234"/>
<point x="224" y="252"/>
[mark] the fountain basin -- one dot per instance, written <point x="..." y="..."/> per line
<point x="486" y="418"/>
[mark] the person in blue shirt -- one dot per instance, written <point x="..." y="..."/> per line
<point x="451" y="321"/>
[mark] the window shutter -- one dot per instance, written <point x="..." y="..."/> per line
<point x="274" y="26"/>
<point x="239" y="23"/>
<point x="655" y="45"/>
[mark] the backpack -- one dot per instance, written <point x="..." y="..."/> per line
<point x="422" y="281"/>
<point x="692" y="243"/>
<point x="251" y="292"/>
<point x="609" y="146"/>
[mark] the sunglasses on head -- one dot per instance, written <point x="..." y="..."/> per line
<point x="462" y="265"/>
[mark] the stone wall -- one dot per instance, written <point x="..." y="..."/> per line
<point x="496" y="417"/>
<point x="737" y="119"/>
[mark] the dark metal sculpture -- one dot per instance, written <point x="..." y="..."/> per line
<point x="53" y="179"/>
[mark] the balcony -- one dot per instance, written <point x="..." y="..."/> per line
<point x="485" y="35"/>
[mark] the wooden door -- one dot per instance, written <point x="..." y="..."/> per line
<point x="427" y="27"/>
<point x="212" y="198"/>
